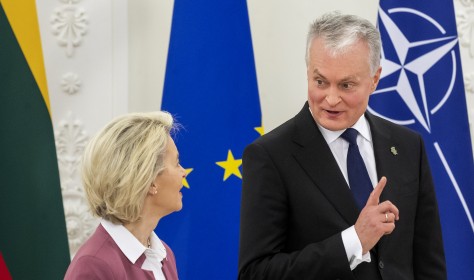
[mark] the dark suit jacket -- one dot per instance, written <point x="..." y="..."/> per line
<point x="296" y="203"/>
<point x="100" y="258"/>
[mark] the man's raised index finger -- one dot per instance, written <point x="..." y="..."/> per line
<point x="374" y="197"/>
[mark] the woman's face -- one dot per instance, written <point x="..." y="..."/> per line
<point x="170" y="181"/>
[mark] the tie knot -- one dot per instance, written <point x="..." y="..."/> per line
<point x="350" y="135"/>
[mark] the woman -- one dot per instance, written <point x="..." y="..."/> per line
<point x="132" y="178"/>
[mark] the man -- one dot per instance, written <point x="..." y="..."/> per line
<point x="304" y="215"/>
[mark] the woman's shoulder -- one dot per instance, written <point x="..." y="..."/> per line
<point x="97" y="256"/>
<point x="89" y="267"/>
<point x="100" y="242"/>
<point x="99" y="246"/>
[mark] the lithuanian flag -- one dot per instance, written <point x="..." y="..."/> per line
<point x="33" y="238"/>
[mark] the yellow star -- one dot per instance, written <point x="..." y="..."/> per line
<point x="259" y="130"/>
<point x="231" y="166"/>
<point x="185" y="182"/>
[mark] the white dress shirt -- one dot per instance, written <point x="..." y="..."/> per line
<point x="339" y="148"/>
<point x="133" y="249"/>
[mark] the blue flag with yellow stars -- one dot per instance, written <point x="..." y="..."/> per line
<point x="422" y="87"/>
<point x="211" y="89"/>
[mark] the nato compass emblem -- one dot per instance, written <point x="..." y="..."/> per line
<point x="407" y="64"/>
<point x="419" y="72"/>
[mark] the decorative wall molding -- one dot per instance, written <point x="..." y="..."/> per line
<point x="69" y="24"/>
<point x="70" y="83"/>
<point x="86" y="53"/>
<point x="70" y="1"/>
<point x="465" y="24"/>
<point x="80" y="223"/>
<point x="467" y="2"/>
<point x="469" y="82"/>
<point x="71" y="140"/>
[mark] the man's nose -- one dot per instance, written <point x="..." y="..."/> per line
<point x="333" y="97"/>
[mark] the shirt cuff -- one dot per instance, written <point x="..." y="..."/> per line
<point x="353" y="248"/>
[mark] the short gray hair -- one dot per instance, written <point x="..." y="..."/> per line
<point x="121" y="162"/>
<point x="340" y="31"/>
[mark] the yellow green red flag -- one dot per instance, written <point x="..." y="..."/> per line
<point x="33" y="237"/>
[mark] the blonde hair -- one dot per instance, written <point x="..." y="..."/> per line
<point x="121" y="162"/>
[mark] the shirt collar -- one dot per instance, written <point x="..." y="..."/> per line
<point x="157" y="246"/>
<point x="125" y="240"/>
<point x="362" y="126"/>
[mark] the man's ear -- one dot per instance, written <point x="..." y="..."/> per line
<point x="376" y="78"/>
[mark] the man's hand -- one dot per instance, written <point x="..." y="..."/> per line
<point x="375" y="220"/>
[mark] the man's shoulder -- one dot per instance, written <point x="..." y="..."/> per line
<point x="380" y="123"/>
<point x="279" y="135"/>
<point x="289" y="130"/>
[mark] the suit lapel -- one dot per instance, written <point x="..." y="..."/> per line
<point x="385" y="162"/>
<point x="317" y="160"/>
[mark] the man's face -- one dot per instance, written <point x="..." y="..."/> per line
<point x="339" y="86"/>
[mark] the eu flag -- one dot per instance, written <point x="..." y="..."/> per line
<point x="211" y="89"/>
<point x="422" y="87"/>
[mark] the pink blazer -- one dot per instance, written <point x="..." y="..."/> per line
<point x="100" y="258"/>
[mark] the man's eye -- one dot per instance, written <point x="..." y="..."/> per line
<point x="346" y="85"/>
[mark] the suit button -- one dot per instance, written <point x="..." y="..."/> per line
<point x="381" y="265"/>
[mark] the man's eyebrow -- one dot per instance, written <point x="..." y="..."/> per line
<point x="350" y="77"/>
<point x="319" y="74"/>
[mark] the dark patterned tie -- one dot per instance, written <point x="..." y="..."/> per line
<point x="359" y="179"/>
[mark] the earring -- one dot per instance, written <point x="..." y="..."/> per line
<point x="153" y="190"/>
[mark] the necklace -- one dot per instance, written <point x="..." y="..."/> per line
<point x="148" y="242"/>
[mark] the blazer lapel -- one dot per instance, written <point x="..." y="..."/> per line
<point x="138" y="268"/>
<point x="169" y="264"/>
<point x="317" y="160"/>
<point x="166" y="270"/>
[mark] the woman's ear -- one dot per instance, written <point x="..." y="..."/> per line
<point x="153" y="189"/>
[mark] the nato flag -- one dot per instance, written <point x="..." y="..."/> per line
<point x="421" y="87"/>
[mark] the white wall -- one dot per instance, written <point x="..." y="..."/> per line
<point x="150" y="27"/>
